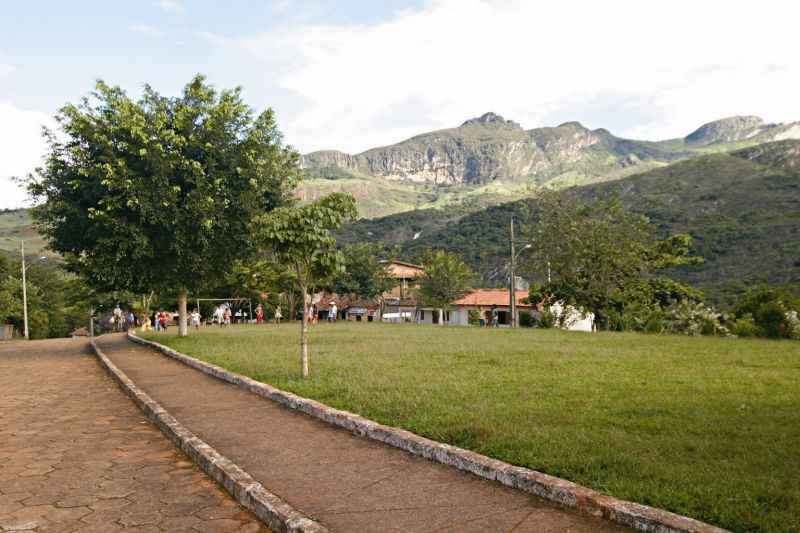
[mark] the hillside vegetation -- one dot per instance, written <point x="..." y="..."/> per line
<point x="17" y="224"/>
<point x="742" y="208"/>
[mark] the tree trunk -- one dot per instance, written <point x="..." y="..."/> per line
<point x="290" y="303"/>
<point x="183" y="329"/>
<point x="304" y="335"/>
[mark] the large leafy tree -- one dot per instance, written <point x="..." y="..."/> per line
<point x="446" y="278"/>
<point x="364" y="275"/>
<point x="158" y="194"/>
<point x="300" y="238"/>
<point x="596" y="255"/>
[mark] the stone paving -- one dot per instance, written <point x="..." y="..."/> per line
<point x="77" y="455"/>
<point x="345" y="482"/>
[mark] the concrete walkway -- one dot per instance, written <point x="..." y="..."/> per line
<point x="77" y="455"/>
<point x="345" y="482"/>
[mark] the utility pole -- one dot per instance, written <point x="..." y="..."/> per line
<point x="512" y="292"/>
<point x="24" y="289"/>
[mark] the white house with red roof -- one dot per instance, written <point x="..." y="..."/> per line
<point x="484" y="302"/>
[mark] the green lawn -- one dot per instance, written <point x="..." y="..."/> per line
<point x="705" y="427"/>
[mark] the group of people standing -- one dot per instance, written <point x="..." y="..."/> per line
<point x="276" y="317"/>
<point x="122" y="320"/>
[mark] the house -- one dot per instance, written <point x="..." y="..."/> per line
<point x="400" y="303"/>
<point x="480" y="302"/>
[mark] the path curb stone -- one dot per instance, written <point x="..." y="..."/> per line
<point x="561" y="491"/>
<point x="269" y="508"/>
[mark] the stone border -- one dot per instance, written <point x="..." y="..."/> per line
<point x="560" y="491"/>
<point x="269" y="508"/>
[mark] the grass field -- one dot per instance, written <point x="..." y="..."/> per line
<point x="706" y="427"/>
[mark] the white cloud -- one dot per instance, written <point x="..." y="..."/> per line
<point x="23" y="149"/>
<point x="171" y="6"/>
<point x="145" y="29"/>
<point x="638" y="68"/>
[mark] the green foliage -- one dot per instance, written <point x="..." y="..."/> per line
<point x="159" y="193"/>
<point x="600" y="256"/>
<point x="473" y="317"/>
<point x="688" y="318"/>
<point x="546" y="320"/>
<point x="300" y="237"/>
<point x="364" y="274"/>
<point x="526" y="319"/>
<point x="446" y="278"/>
<point x="58" y="302"/>
<point x="772" y="311"/>
<point x="744" y="326"/>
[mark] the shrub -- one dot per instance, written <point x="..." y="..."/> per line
<point x="744" y="326"/>
<point x="545" y="320"/>
<point x="474" y="317"/>
<point x="772" y="321"/>
<point x="526" y="319"/>
<point x="693" y="319"/>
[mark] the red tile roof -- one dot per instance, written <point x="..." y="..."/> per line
<point x="490" y="297"/>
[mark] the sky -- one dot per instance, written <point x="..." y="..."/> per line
<point x="351" y="75"/>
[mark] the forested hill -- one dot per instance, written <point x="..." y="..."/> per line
<point x="742" y="208"/>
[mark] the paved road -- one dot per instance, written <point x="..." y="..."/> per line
<point x="77" y="455"/>
<point x="345" y="482"/>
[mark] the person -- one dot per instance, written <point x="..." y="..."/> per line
<point x="163" y="320"/>
<point x="117" y="318"/>
<point x="196" y="318"/>
<point x="226" y="316"/>
<point x="259" y="314"/>
<point x="146" y="323"/>
<point x="131" y="320"/>
<point x="333" y="312"/>
<point x="495" y="315"/>
<point x="278" y="315"/>
<point x="156" y="323"/>
<point x="312" y="314"/>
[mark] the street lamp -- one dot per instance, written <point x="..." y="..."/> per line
<point x="25" y="288"/>
<point x="512" y="289"/>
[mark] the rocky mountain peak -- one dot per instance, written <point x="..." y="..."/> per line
<point x="573" y="124"/>
<point x="726" y="130"/>
<point x="490" y="119"/>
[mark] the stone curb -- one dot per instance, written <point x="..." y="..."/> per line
<point x="560" y="491"/>
<point x="269" y="508"/>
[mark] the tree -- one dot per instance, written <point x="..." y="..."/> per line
<point x="158" y="194"/>
<point x="771" y="309"/>
<point x="446" y="278"/>
<point x="598" y="255"/>
<point x="364" y="274"/>
<point x="300" y="237"/>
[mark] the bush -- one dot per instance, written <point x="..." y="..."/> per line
<point x="545" y="320"/>
<point x="474" y="317"/>
<point x="772" y="321"/>
<point x="744" y="326"/>
<point x="687" y="318"/>
<point x="526" y="319"/>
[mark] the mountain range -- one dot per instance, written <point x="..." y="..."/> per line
<point x="490" y="159"/>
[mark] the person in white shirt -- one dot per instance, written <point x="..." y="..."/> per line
<point x="195" y="316"/>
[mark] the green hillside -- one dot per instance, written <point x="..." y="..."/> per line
<point x="742" y="208"/>
<point x="15" y="225"/>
